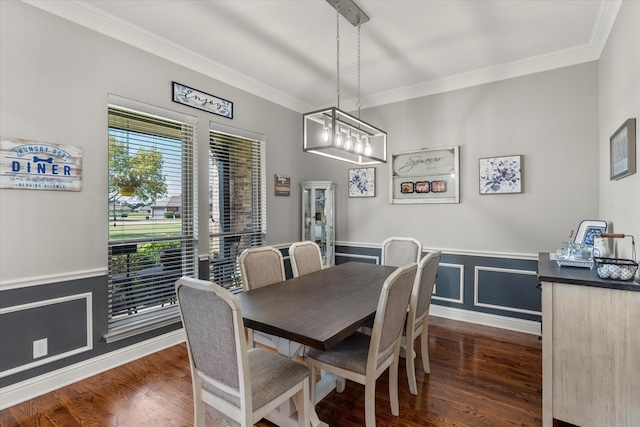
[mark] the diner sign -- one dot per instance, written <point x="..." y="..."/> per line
<point x="33" y="165"/>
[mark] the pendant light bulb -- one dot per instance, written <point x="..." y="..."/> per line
<point x="338" y="137"/>
<point x="325" y="131"/>
<point x="349" y="144"/>
<point x="367" y="147"/>
<point x="359" y="144"/>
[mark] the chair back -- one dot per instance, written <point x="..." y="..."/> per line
<point x="260" y="267"/>
<point x="423" y="288"/>
<point x="399" y="251"/>
<point x="390" y="315"/>
<point x="215" y="341"/>
<point x="305" y="258"/>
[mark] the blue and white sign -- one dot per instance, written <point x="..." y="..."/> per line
<point x="33" y="165"/>
<point x="202" y="101"/>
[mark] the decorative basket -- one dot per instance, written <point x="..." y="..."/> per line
<point x="616" y="268"/>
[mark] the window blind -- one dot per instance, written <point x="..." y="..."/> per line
<point x="237" y="200"/>
<point x="152" y="232"/>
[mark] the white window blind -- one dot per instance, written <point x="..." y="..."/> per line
<point x="237" y="200"/>
<point x="152" y="232"/>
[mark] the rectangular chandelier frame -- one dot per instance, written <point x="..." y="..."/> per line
<point x="361" y="143"/>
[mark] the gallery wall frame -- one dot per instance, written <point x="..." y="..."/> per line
<point x="501" y="175"/>
<point x="428" y="175"/>
<point x="362" y="182"/>
<point x="622" y="150"/>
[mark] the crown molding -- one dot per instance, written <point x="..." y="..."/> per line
<point x="82" y="13"/>
<point x="86" y="15"/>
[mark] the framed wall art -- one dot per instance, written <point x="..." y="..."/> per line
<point x="282" y="185"/>
<point x="362" y="182"/>
<point x="501" y="175"/>
<point x="425" y="176"/>
<point x="622" y="146"/>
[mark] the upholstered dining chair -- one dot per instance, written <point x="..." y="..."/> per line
<point x="244" y="384"/>
<point x="399" y="251"/>
<point x="305" y="258"/>
<point x="363" y="358"/>
<point x="264" y="266"/>
<point x="418" y="316"/>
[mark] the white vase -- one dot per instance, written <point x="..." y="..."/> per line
<point x="601" y="247"/>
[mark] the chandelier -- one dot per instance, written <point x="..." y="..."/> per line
<point x="333" y="133"/>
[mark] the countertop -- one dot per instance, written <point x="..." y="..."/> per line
<point x="550" y="271"/>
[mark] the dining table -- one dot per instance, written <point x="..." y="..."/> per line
<point x="319" y="309"/>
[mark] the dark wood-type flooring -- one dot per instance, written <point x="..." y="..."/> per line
<point x="480" y="376"/>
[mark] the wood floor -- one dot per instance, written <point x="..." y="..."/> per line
<point x="480" y="376"/>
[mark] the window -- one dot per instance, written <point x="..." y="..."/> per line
<point x="237" y="200"/>
<point x="152" y="215"/>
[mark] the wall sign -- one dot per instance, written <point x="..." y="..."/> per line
<point x="425" y="176"/>
<point x="33" y="165"/>
<point x="282" y="185"/>
<point x="202" y="101"/>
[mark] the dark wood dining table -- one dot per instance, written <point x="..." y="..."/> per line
<point x="319" y="309"/>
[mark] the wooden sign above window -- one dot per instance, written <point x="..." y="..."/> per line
<point x="202" y="101"/>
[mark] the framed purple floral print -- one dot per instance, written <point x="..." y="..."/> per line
<point x="501" y="175"/>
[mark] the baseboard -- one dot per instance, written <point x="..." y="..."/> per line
<point x="503" y="322"/>
<point x="37" y="386"/>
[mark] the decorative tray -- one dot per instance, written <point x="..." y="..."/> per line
<point x="572" y="262"/>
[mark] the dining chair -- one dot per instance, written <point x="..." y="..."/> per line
<point x="399" y="251"/>
<point x="244" y="384"/>
<point x="363" y="358"/>
<point x="305" y="258"/>
<point x="418" y="317"/>
<point x="259" y="267"/>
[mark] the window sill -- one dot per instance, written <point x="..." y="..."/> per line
<point x="141" y="326"/>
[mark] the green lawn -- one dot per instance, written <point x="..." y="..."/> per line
<point x="136" y="226"/>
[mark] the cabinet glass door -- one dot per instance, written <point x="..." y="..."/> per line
<point x="318" y="217"/>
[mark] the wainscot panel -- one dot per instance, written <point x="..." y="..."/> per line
<point x="57" y="311"/>
<point x="495" y="285"/>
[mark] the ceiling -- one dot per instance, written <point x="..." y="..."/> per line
<point x="285" y="50"/>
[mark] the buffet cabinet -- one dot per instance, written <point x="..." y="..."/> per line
<point x="318" y="217"/>
<point x="590" y="348"/>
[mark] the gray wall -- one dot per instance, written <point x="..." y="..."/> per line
<point x="619" y="89"/>
<point x="551" y="118"/>
<point x="55" y="77"/>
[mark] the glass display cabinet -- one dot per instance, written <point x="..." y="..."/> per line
<point x="318" y="217"/>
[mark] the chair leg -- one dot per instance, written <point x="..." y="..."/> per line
<point x="341" y="382"/>
<point x="199" y="410"/>
<point x="312" y="381"/>
<point x="411" y="368"/>
<point x="250" y="339"/>
<point x="393" y="383"/>
<point x="370" y="401"/>
<point x="424" y="348"/>
<point x="302" y="403"/>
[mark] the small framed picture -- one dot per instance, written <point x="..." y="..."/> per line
<point x="362" y="182"/>
<point x="501" y="175"/>
<point x="622" y="145"/>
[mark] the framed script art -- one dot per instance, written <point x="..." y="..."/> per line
<point x="362" y="182"/>
<point x="425" y="176"/>
<point x="622" y="145"/>
<point x="501" y="175"/>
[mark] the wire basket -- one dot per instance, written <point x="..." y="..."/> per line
<point x="616" y="268"/>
